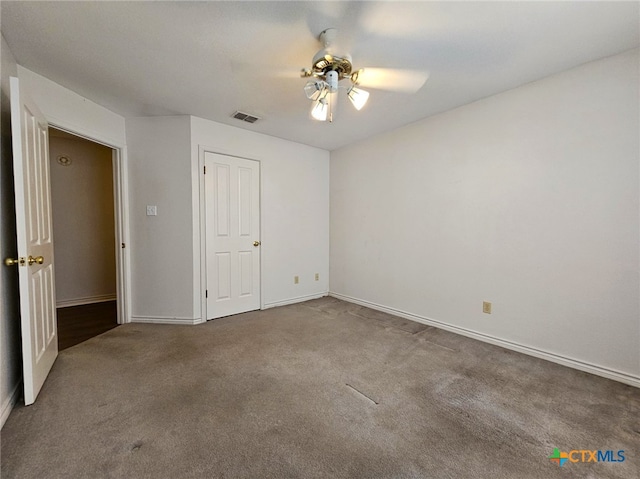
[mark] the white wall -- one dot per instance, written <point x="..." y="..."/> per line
<point x="83" y="221"/>
<point x="10" y="360"/>
<point x="65" y="108"/>
<point x="294" y="208"/>
<point x="528" y="199"/>
<point x="161" y="246"/>
<point x="167" y="265"/>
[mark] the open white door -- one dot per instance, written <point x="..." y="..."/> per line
<point x="35" y="241"/>
<point x="232" y="205"/>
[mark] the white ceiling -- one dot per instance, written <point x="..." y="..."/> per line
<point x="210" y="59"/>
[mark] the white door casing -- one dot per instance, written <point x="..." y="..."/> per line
<point x="232" y="218"/>
<point x="35" y="241"/>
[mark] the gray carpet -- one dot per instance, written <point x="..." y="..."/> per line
<point x="322" y="389"/>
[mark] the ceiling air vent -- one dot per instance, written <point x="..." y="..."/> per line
<point x="245" y="117"/>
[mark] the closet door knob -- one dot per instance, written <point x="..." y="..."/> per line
<point x="37" y="259"/>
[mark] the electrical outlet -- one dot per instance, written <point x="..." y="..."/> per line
<point x="317" y="276"/>
<point x="486" y="307"/>
<point x="296" y="280"/>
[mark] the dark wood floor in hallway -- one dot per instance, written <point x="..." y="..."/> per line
<point x="76" y="324"/>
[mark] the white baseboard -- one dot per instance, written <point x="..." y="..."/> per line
<point x="298" y="299"/>
<point x="165" y="320"/>
<point x="538" y="353"/>
<point x="88" y="300"/>
<point x="9" y="402"/>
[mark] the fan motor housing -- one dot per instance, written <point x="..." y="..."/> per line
<point x="324" y="62"/>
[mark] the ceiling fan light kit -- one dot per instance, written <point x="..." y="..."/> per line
<point x="329" y="69"/>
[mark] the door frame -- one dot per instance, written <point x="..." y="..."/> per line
<point x="121" y="218"/>
<point x="203" y="226"/>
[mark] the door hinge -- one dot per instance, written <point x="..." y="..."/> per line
<point x="206" y="293"/>
<point x="122" y="246"/>
<point x="205" y="169"/>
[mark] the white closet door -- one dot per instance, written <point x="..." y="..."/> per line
<point x="232" y="202"/>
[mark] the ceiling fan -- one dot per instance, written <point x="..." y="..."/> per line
<point x="328" y="68"/>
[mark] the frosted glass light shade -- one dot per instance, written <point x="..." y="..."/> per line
<point x="358" y="97"/>
<point x="320" y="110"/>
<point x="314" y="90"/>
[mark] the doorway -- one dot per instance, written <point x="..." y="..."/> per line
<point x="84" y="232"/>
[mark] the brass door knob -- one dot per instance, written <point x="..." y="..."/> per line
<point x="257" y="243"/>
<point x="37" y="259"/>
<point x="13" y="262"/>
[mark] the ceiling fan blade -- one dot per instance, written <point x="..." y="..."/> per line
<point x="267" y="71"/>
<point x="392" y="79"/>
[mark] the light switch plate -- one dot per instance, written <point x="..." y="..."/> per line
<point x="152" y="210"/>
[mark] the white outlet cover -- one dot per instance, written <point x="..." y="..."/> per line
<point x="152" y="210"/>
